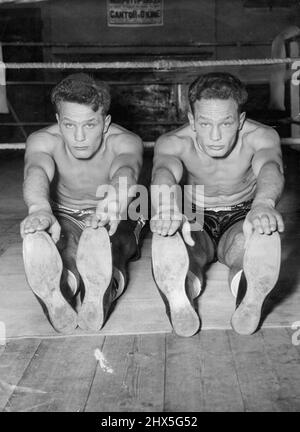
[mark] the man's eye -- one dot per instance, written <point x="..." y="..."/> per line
<point x="90" y="125"/>
<point x="227" y="123"/>
<point x="68" y="125"/>
<point x="203" y="124"/>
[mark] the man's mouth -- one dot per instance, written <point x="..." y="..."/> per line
<point x="81" y="148"/>
<point x="216" y="148"/>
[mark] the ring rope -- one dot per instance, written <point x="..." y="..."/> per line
<point x="147" y="144"/>
<point x="154" y="64"/>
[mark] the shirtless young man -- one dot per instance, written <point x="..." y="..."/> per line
<point x="238" y="161"/>
<point x="75" y="245"/>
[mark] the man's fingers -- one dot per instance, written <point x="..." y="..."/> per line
<point x="55" y="231"/>
<point x="43" y="225"/>
<point x="265" y="224"/>
<point x="88" y="221"/>
<point x="94" y="222"/>
<point x="113" y="227"/>
<point x="153" y="225"/>
<point x="173" y="227"/>
<point x="257" y="225"/>
<point x="102" y="219"/>
<point x="33" y="224"/>
<point x="186" y="233"/>
<point x="164" y="227"/>
<point x="280" y="223"/>
<point x="273" y="223"/>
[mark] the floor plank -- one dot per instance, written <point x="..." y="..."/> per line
<point x="258" y="383"/>
<point x="14" y="360"/>
<point x="221" y="390"/>
<point x="135" y="380"/>
<point x="60" y="376"/>
<point x="184" y="383"/>
<point x="285" y="359"/>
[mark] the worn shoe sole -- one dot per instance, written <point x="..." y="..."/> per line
<point x="261" y="268"/>
<point x="43" y="269"/>
<point x="94" y="263"/>
<point x="170" y="266"/>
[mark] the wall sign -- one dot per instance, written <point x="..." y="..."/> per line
<point x="134" y="13"/>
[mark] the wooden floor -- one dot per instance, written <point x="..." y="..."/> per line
<point x="216" y="370"/>
<point x="213" y="371"/>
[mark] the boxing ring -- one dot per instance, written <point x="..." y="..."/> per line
<point x="136" y="302"/>
<point x="282" y="71"/>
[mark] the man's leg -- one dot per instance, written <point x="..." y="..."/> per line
<point x="67" y="246"/>
<point x="200" y="255"/>
<point x="259" y="264"/>
<point x="126" y="246"/>
<point x="43" y="268"/>
<point x="171" y="264"/>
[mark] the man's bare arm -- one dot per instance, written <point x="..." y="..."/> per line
<point x="123" y="176"/>
<point x="126" y="168"/>
<point x="167" y="166"/>
<point x="38" y="173"/>
<point x="268" y="168"/>
<point x="166" y="175"/>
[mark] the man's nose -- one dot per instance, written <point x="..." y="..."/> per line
<point x="79" y="134"/>
<point x="215" y="133"/>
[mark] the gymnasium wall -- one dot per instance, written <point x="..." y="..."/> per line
<point x="148" y="102"/>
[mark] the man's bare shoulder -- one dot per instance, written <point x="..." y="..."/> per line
<point x="44" y="140"/>
<point x="121" y="140"/>
<point x="175" y="142"/>
<point x="259" y="136"/>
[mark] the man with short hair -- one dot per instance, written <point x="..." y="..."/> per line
<point x="76" y="239"/>
<point x="238" y="162"/>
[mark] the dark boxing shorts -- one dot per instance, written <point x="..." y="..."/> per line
<point x="220" y="219"/>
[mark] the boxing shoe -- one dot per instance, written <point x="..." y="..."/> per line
<point x="170" y="263"/>
<point x="94" y="263"/>
<point x="261" y="268"/>
<point x="43" y="269"/>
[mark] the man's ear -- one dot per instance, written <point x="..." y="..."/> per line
<point x="107" y="122"/>
<point x="242" y="120"/>
<point x="57" y="117"/>
<point x="191" y="120"/>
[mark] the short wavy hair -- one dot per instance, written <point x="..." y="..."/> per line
<point x="217" y="85"/>
<point x="81" y="88"/>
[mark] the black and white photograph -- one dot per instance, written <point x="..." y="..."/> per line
<point x="149" y="209"/>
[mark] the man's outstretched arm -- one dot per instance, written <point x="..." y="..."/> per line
<point x="268" y="168"/>
<point x="165" y="190"/>
<point x="123" y="176"/>
<point x="38" y="173"/>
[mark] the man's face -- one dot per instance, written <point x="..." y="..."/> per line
<point x="216" y="123"/>
<point x="82" y="128"/>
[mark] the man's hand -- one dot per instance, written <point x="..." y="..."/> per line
<point x="264" y="219"/>
<point x="41" y="220"/>
<point x="166" y="224"/>
<point x="107" y="213"/>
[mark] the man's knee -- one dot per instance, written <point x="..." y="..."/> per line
<point x="238" y="240"/>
